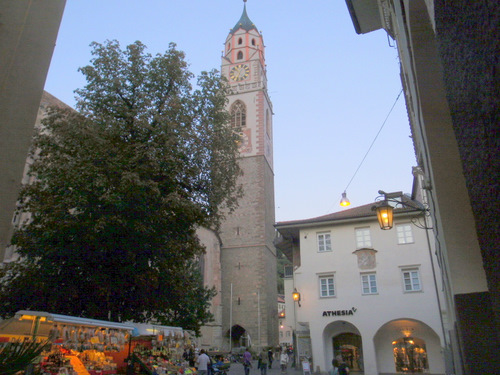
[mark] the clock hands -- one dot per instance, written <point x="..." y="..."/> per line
<point x="239" y="72"/>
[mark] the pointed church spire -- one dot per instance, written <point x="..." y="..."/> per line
<point x="244" y="22"/>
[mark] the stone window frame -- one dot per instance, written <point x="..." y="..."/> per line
<point x="238" y="113"/>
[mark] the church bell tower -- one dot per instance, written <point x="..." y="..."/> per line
<point x="248" y="256"/>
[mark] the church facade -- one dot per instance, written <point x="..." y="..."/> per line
<point x="248" y="255"/>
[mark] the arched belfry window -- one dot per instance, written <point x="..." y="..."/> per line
<point x="253" y="42"/>
<point x="240" y="41"/>
<point x="238" y="114"/>
<point x="240" y="55"/>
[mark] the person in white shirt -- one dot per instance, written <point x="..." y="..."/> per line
<point x="203" y="361"/>
<point x="283" y="361"/>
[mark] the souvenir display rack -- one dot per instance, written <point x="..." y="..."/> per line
<point x="161" y="354"/>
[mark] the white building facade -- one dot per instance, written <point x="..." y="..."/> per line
<point x="366" y="295"/>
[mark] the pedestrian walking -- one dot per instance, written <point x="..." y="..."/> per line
<point x="270" y="358"/>
<point x="263" y="361"/>
<point x="191" y="356"/>
<point x="343" y="368"/>
<point x="203" y="361"/>
<point x="247" y="361"/>
<point x="335" y="368"/>
<point x="284" y="362"/>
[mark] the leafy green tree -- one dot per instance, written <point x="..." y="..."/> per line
<point x="118" y="190"/>
<point x="282" y="261"/>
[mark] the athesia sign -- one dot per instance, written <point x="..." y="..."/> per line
<point x="340" y="312"/>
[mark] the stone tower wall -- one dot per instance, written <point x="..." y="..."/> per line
<point x="249" y="257"/>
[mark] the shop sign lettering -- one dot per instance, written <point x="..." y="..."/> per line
<point x="339" y="312"/>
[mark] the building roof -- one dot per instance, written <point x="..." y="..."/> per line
<point x="49" y="100"/>
<point x="352" y="213"/>
<point x="244" y="22"/>
<point x="289" y="230"/>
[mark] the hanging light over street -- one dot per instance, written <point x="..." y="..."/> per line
<point x="344" y="202"/>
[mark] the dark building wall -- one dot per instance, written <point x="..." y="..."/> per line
<point x="480" y="345"/>
<point x="467" y="33"/>
<point x="28" y="33"/>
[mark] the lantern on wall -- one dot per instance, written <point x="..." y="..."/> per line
<point x="385" y="215"/>
<point x="296" y="296"/>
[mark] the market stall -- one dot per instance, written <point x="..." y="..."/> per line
<point x="79" y="345"/>
<point x="159" y="349"/>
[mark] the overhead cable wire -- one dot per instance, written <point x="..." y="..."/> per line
<point x="376" y="136"/>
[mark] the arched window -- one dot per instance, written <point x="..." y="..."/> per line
<point x="253" y="42"/>
<point x="240" y="41"/>
<point x="228" y="46"/>
<point x="240" y="55"/>
<point x="238" y="114"/>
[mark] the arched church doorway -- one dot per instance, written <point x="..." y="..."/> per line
<point x="348" y="348"/>
<point x="239" y="337"/>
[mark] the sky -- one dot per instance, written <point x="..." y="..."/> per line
<point x="331" y="88"/>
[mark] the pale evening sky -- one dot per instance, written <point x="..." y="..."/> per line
<point x="331" y="89"/>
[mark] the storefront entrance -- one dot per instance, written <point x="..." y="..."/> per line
<point x="407" y="346"/>
<point x="348" y="347"/>
<point x="410" y="355"/>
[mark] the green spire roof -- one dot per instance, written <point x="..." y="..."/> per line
<point x="244" y="22"/>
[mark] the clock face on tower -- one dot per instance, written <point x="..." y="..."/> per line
<point x="239" y="72"/>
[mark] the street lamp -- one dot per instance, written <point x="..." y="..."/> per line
<point x="386" y="204"/>
<point x="385" y="215"/>
<point x="296" y="296"/>
<point x="344" y="202"/>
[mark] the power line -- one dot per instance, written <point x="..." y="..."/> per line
<point x="376" y="136"/>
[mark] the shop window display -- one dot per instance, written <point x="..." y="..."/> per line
<point x="410" y="355"/>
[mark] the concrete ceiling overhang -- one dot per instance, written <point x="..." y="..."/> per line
<point x="365" y="15"/>
<point x="28" y="32"/>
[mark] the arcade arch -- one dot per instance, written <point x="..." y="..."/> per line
<point x="343" y="340"/>
<point x="407" y="346"/>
